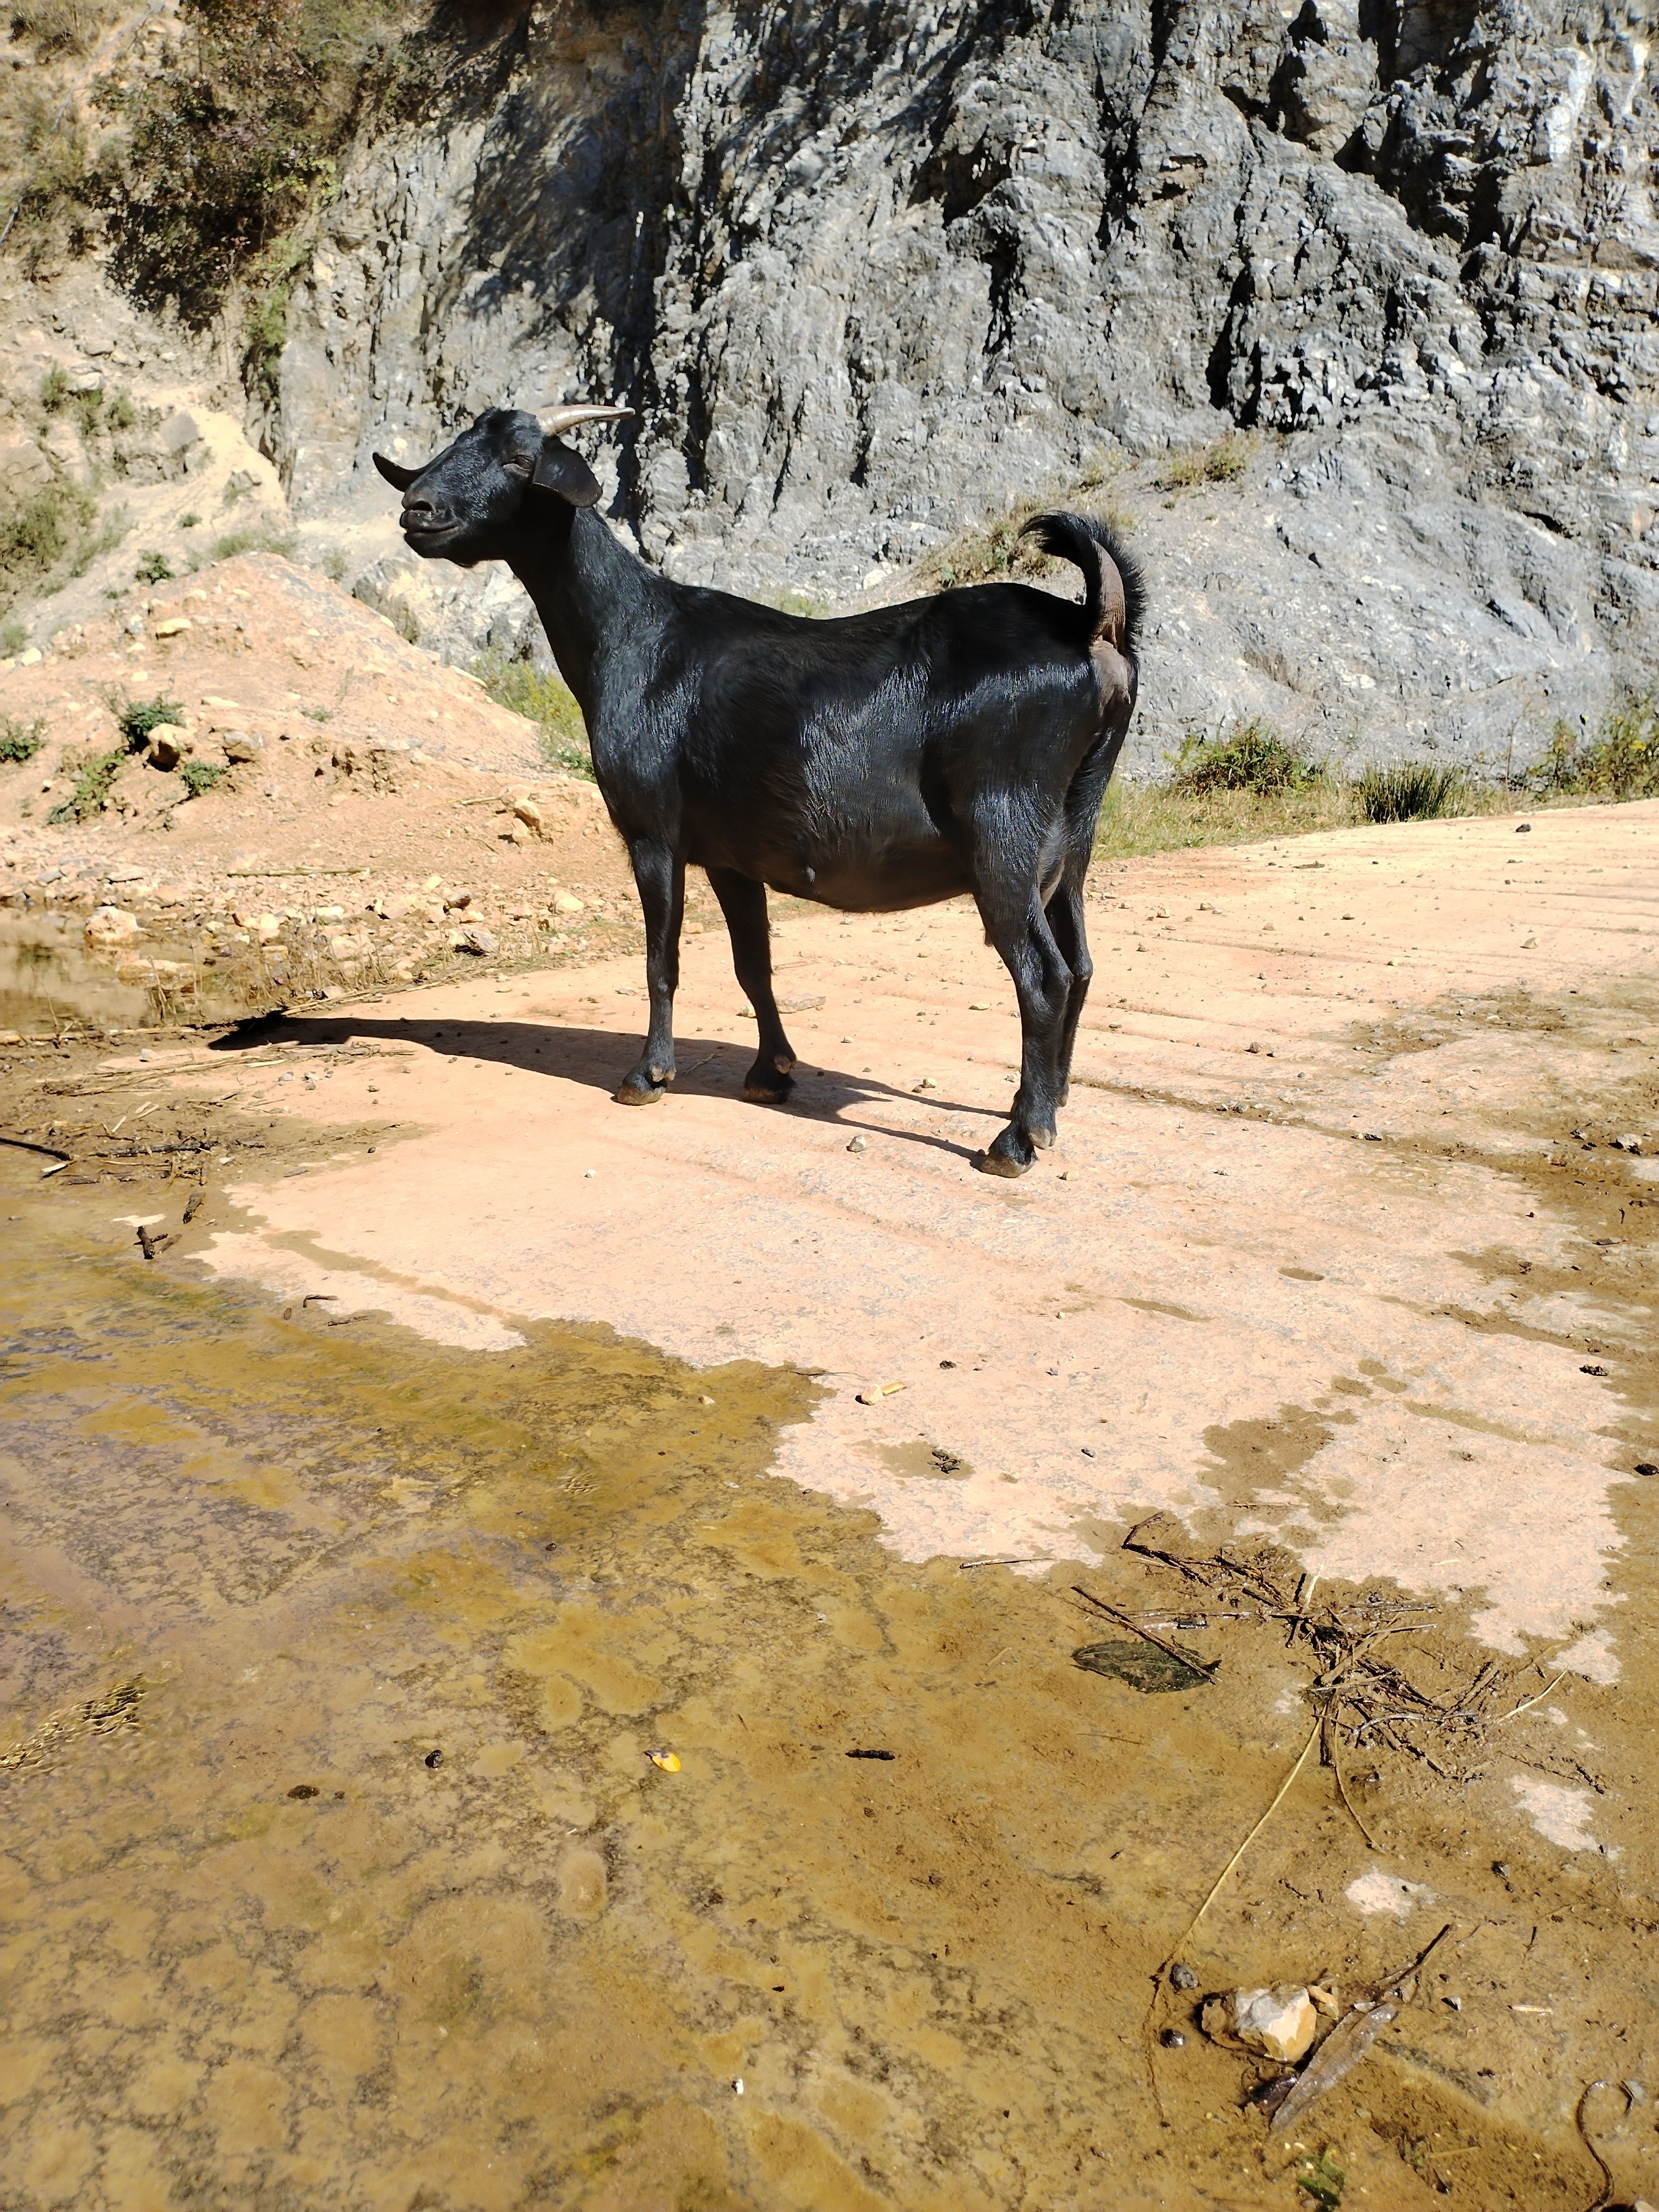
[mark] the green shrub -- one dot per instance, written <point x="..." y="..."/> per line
<point x="542" y="697"/>
<point x="54" y="390"/>
<point x="35" y="537"/>
<point x="136" y="719"/>
<point x="13" y="638"/>
<point x="198" y="776"/>
<point x="231" y="146"/>
<point x="189" y="522"/>
<point x="21" y="741"/>
<point x="1621" y="761"/>
<point x="103" y="539"/>
<point x="122" y="414"/>
<point x="153" y="567"/>
<point x="1252" y="756"/>
<point x="87" y="408"/>
<point x="94" y="781"/>
<point x="1412" y="791"/>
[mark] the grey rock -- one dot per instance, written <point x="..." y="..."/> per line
<point x="238" y="745"/>
<point x="870" y="271"/>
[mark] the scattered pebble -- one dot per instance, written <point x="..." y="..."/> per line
<point x="1182" y="1978"/>
<point x="668" y="1761"/>
<point x="434" y="1758"/>
<point x="859" y="1144"/>
<point x="1280" y="2021"/>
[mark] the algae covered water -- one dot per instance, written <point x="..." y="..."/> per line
<point x="433" y="1779"/>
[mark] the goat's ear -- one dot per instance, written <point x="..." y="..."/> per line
<point x="399" y="477"/>
<point x="559" y="469"/>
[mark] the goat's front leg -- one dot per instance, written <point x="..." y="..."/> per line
<point x="1042" y="984"/>
<point x="743" y="902"/>
<point x="660" y="876"/>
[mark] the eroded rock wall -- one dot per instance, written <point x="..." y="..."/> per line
<point x="869" y="270"/>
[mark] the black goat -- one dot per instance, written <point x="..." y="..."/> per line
<point x="877" y="762"/>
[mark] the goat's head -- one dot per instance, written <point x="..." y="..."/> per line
<point x="509" y="471"/>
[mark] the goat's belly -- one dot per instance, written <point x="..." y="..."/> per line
<point x="913" y="875"/>
<point x="882" y="876"/>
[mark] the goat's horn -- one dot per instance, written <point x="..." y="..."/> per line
<point x="557" y="419"/>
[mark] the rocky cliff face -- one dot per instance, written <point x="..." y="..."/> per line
<point x="868" y="268"/>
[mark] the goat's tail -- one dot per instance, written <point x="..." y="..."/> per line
<point x="1115" y="598"/>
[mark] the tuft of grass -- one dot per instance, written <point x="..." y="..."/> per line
<point x="250" y="541"/>
<point x="189" y="522"/>
<point x="13" y="638"/>
<point x="1621" y="761"/>
<point x="1224" y="462"/>
<point x="1412" y="791"/>
<point x="93" y="781"/>
<point x="1252" y="756"/>
<point x="21" y="741"/>
<point x="137" y="718"/>
<point x="54" y="390"/>
<point x="541" y="696"/>
<point x="153" y="567"/>
<point x="199" y="776"/>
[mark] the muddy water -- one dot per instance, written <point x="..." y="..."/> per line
<point x="334" y="1867"/>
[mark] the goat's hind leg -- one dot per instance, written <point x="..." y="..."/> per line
<point x="743" y="902"/>
<point x="1042" y="984"/>
<point x="660" y="876"/>
<point x="1066" y="920"/>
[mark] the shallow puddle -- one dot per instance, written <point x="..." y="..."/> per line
<point x="438" y="1780"/>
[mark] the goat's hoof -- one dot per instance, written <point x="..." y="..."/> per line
<point x="639" y="1094"/>
<point x="1043" y="1138"/>
<point x="1004" y="1156"/>
<point x="771" y="1091"/>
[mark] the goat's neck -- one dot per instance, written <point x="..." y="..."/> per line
<point x="588" y="589"/>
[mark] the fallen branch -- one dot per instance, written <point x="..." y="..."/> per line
<point x="1205" y="1666"/>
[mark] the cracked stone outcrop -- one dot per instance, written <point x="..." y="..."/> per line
<point x="869" y="269"/>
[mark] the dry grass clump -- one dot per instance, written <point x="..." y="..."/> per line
<point x="1412" y="791"/>
<point x="1223" y="462"/>
<point x="998" y="552"/>
<point x="1158" y="818"/>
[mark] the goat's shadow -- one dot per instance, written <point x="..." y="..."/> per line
<point x="709" y="1067"/>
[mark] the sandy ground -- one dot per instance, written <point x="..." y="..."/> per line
<point x="1346" y="1254"/>
<point x="1215" y="1241"/>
